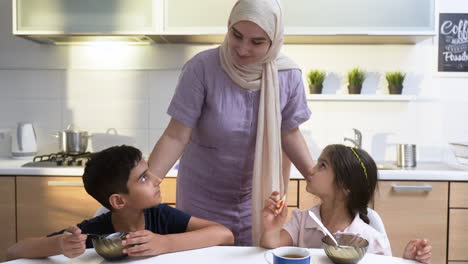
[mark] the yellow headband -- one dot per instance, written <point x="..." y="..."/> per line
<point x="360" y="161"/>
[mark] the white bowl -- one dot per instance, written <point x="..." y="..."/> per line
<point x="460" y="150"/>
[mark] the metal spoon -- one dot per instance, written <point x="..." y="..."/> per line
<point x="323" y="227"/>
<point x="113" y="235"/>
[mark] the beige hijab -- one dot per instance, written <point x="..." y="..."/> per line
<point x="263" y="76"/>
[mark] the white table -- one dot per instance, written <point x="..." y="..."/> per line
<point x="212" y="255"/>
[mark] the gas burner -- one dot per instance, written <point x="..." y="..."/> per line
<point x="60" y="159"/>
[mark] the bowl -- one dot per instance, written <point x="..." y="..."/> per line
<point x="460" y="150"/>
<point x="352" y="248"/>
<point x="110" y="246"/>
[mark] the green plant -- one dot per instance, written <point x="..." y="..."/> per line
<point x="395" y="78"/>
<point x="356" y="77"/>
<point x="316" y="77"/>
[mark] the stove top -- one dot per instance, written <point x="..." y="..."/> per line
<point x="59" y="159"/>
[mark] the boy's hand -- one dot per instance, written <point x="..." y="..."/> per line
<point x="144" y="243"/>
<point x="274" y="213"/>
<point x="418" y="249"/>
<point x="72" y="244"/>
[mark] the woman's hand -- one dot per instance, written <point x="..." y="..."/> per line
<point x="144" y="243"/>
<point x="72" y="243"/>
<point x="418" y="249"/>
<point x="274" y="213"/>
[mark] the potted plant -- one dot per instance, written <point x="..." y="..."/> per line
<point x="315" y="79"/>
<point x="355" y="79"/>
<point x="395" y="82"/>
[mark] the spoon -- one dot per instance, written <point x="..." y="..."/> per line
<point x="323" y="227"/>
<point x="113" y="235"/>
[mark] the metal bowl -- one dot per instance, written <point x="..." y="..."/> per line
<point x="110" y="246"/>
<point x="352" y="248"/>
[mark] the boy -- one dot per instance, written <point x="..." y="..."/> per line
<point x="119" y="179"/>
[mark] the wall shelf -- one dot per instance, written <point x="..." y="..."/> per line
<point x="360" y="97"/>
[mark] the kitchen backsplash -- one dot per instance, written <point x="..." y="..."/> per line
<point x="129" y="89"/>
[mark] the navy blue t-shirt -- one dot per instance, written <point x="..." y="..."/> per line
<point x="161" y="219"/>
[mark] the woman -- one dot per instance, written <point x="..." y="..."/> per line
<point x="235" y="110"/>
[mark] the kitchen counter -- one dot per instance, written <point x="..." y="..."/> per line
<point x="209" y="255"/>
<point x="9" y="167"/>
<point x="425" y="171"/>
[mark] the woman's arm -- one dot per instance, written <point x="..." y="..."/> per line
<point x="169" y="148"/>
<point x="295" y="147"/>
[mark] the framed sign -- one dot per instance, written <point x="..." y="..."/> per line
<point x="453" y="43"/>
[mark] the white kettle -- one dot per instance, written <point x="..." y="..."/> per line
<point x="23" y="141"/>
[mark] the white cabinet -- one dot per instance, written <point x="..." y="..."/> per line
<point x="358" y="16"/>
<point x="310" y="21"/>
<point x="84" y="16"/>
<point x="205" y="21"/>
<point x="196" y="17"/>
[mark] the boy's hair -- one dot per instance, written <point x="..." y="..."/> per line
<point x="107" y="172"/>
<point x="355" y="171"/>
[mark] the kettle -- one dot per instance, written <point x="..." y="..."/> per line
<point x="23" y="141"/>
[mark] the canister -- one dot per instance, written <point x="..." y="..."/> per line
<point x="406" y="155"/>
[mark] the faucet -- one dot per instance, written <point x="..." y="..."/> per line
<point x="357" y="141"/>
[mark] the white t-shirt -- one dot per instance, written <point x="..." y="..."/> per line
<point x="306" y="233"/>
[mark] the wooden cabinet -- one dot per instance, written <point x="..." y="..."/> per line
<point x="458" y="194"/>
<point x="168" y="190"/>
<point x="458" y="223"/>
<point x="49" y="204"/>
<point x="412" y="210"/>
<point x="306" y="200"/>
<point x="7" y="215"/>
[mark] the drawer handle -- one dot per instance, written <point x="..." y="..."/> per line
<point x="411" y="188"/>
<point x="65" y="183"/>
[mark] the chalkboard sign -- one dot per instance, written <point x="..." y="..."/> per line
<point x="453" y="43"/>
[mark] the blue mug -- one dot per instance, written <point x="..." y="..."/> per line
<point x="289" y="255"/>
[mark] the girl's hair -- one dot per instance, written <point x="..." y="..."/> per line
<point x="356" y="172"/>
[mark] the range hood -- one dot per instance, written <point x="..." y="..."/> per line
<point x="89" y="40"/>
<point x="85" y="22"/>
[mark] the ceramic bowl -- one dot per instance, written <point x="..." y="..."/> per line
<point x="352" y="248"/>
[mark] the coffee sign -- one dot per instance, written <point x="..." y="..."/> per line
<point x="453" y="43"/>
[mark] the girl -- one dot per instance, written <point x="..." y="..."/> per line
<point x="345" y="179"/>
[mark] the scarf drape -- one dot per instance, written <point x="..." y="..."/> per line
<point x="263" y="76"/>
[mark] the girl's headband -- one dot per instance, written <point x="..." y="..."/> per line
<point x="360" y="161"/>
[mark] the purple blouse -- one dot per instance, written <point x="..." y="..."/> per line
<point x="215" y="174"/>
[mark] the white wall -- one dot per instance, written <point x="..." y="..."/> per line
<point x="129" y="89"/>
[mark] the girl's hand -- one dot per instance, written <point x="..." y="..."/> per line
<point x="72" y="243"/>
<point x="418" y="249"/>
<point x="144" y="243"/>
<point x="274" y="213"/>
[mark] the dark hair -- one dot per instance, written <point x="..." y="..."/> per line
<point x="350" y="175"/>
<point x="107" y="172"/>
